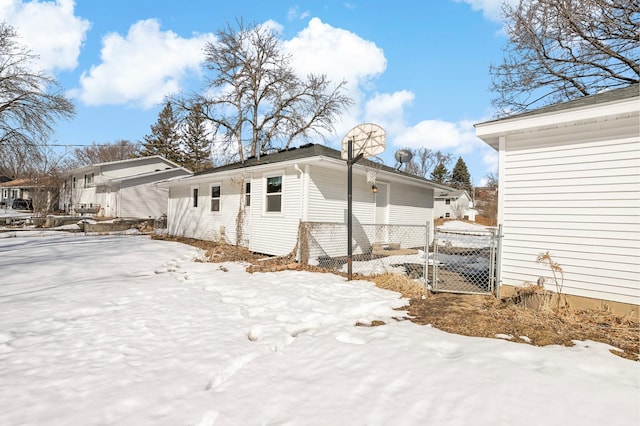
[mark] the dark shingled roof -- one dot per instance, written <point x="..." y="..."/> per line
<point x="305" y="151"/>
<point x="630" y="91"/>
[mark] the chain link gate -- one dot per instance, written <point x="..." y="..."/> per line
<point x="465" y="261"/>
<point x="377" y="248"/>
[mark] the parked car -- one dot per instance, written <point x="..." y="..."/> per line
<point x="22" y="204"/>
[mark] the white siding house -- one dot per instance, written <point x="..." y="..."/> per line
<point x="454" y="204"/>
<point x="569" y="179"/>
<point x="125" y="188"/>
<point x="260" y="203"/>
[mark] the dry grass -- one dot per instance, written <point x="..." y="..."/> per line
<point x="534" y="323"/>
<point x="530" y="316"/>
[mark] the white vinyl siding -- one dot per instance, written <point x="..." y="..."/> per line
<point x="328" y="196"/>
<point x="141" y="201"/>
<point x="199" y="223"/>
<point x="275" y="233"/>
<point x="576" y="194"/>
<point x="411" y="205"/>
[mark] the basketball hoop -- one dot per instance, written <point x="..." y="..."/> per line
<point x="365" y="141"/>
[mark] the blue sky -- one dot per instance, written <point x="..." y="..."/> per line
<point x="418" y="69"/>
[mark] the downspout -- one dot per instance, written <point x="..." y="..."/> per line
<point x="304" y="191"/>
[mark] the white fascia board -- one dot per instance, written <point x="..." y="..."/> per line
<point x="491" y="131"/>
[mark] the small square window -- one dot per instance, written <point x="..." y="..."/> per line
<point x="447" y="201"/>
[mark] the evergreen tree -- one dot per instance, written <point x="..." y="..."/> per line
<point x="196" y="140"/>
<point x="440" y="174"/>
<point x="164" y="139"/>
<point x="460" y="177"/>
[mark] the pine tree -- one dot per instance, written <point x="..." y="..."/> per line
<point x="196" y="140"/>
<point x="440" y="173"/>
<point x="460" y="177"/>
<point x="164" y="139"/>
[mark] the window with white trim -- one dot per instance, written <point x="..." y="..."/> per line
<point x="447" y="201"/>
<point x="247" y="194"/>
<point x="215" y="197"/>
<point x="273" y="194"/>
<point x="88" y="180"/>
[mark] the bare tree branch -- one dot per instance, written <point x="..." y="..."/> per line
<point x="255" y="100"/>
<point x="30" y="104"/>
<point x="561" y="50"/>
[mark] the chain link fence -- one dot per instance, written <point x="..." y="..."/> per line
<point x="465" y="261"/>
<point x="377" y="249"/>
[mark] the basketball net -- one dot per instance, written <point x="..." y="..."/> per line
<point x="372" y="166"/>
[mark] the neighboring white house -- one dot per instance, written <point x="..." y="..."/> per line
<point x="569" y="179"/>
<point x="123" y="188"/>
<point x="454" y="204"/>
<point x="260" y="203"/>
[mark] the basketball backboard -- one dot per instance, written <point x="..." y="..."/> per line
<point x="367" y="138"/>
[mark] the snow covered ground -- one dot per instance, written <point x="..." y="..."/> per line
<point x="125" y="330"/>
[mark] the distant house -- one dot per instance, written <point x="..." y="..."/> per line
<point x="11" y="190"/>
<point x="260" y="203"/>
<point x="454" y="204"/>
<point x="123" y="188"/>
<point x="569" y="179"/>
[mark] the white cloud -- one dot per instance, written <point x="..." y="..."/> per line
<point x="341" y="55"/>
<point x="491" y="9"/>
<point x="294" y="13"/>
<point x="142" y="67"/>
<point x="387" y="110"/>
<point x="437" y="135"/>
<point x="37" y="21"/>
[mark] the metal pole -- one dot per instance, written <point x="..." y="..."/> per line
<point x="425" y="272"/>
<point x="350" y="162"/>
<point x="498" y="265"/>
<point x="434" y="277"/>
<point x="349" y="207"/>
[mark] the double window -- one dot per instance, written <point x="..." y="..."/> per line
<point x="274" y="194"/>
<point x="215" y="197"/>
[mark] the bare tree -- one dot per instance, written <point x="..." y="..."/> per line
<point x="486" y="199"/>
<point x="562" y="50"/>
<point x="45" y="173"/>
<point x="492" y="180"/>
<point x="424" y="160"/>
<point x="30" y="103"/>
<point x="103" y="153"/>
<point x="255" y="100"/>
